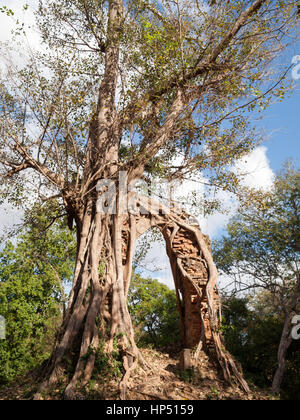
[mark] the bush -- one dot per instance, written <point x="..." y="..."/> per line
<point x="32" y="274"/>
<point x="253" y="338"/>
<point x="153" y="308"/>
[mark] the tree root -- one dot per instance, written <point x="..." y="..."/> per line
<point x="90" y="313"/>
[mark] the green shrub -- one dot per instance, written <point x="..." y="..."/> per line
<point x="153" y="308"/>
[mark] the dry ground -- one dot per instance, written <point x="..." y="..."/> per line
<point x="164" y="382"/>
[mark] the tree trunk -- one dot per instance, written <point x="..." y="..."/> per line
<point x="98" y="316"/>
<point x="97" y="309"/>
<point x="284" y="345"/>
<point x="286" y="338"/>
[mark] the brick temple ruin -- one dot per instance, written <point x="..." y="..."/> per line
<point x="190" y="274"/>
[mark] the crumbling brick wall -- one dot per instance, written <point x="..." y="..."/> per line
<point x="190" y="273"/>
<point x="193" y="273"/>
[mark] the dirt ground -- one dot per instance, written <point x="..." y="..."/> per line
<point x="165" y="381"/>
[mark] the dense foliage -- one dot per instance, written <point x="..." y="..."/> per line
<point x="261" y="248"/>
<point x="252" y="336"/>
<point x="220" y="55"/>
<point x="154" y="312"/>
<point x="260" y="254"/>
<point x="33" y="274"/>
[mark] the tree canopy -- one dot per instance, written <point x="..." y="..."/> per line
<point x="261" y="253"/>
<point x="187" y="76"/>
<point x="261" y="249"/>
<point x="155" y="90"/>
<point x="252" y="329"/>
<point x="34" y="275"/>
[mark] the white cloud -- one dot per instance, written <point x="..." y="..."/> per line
<point x="257" y="173"/>
<point x="30" y="41"/>
<point x="10" y="217"/>
<point x="255" y="169"/>
<point x="165" y="277"/>
<point x="156" y="263"/>
<point x="7" y="23"/>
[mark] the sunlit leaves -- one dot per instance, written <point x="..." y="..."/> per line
<point x="33" y="273"/>
<point x="163" y="45"/>
<point x="6" y="10"/>
<point x="263" y="239"/>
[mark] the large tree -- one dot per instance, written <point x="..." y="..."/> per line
<point x="33" y="276"/>
<point x="261" y="253"/>
<point x="127" y="87"/>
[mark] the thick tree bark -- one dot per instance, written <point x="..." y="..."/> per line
<point x="97" y="308"/>
<point x="98" y="303"/>
<point x="284" y="345"/>
<point x="286" y="338"/>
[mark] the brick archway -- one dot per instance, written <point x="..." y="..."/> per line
<point x="194" y="273"/>
<point x="190" y="273"/>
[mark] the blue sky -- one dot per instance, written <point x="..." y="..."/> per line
<point x="282" y="122"/>
<point x="281" y="126"/>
